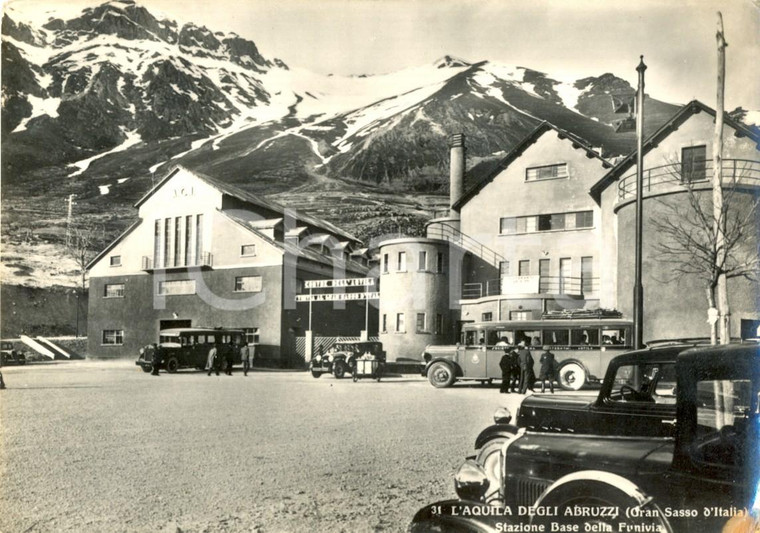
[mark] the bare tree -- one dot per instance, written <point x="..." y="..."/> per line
<point x="83" y="242"/>
<point x="698" y="240"/>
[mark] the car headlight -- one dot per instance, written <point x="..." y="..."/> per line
<point x="502" y="416"/>
<point x="330" y="358"/>
<point x="318" y="358"/>
<point x="471" y="481"/>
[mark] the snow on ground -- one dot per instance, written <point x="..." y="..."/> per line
<point x="30" y="265"/>
<point x="132" y="138"/>
<point x="40" y="106"/>
<point x="104" y="189"/>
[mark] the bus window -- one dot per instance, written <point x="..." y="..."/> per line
<point x="613" y="336"/>
<point x="503" y="334"/>
<point x="529" y="337"/>
<point x="470" y="338"/>
<point x="557" y="337"/>
<point x="493" y="337"/>
<point x="585" y="337"/>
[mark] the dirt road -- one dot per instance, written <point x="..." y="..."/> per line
<point x="93" y="446"/>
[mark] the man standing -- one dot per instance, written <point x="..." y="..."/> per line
<point x="212" y="361"/>
<point x="152" y="353"/>
<point x="527" y="376"/>
<point x="245" y="355"/>
<point x="229" y="357"/>
<point x="547" y="369"/>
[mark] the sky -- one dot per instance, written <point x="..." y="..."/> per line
<point x="567" y="39"/>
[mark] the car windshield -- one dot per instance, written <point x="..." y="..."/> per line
<point x="645" y="382"/>
<point x="7" y="346"/>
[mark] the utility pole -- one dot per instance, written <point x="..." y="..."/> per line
<point x="638" y="288"/>
<point x="68" y="219"/>
<point x="719" y="216"/>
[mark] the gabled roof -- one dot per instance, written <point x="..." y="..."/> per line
<point x="240" y="194"/>
<point x="301" y="252"/>
<point x="683" y="114"/>
<point x="523" y="145"/>
<point x="110" y="247"/>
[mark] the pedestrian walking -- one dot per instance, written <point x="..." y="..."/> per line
<point x="546" y="372"/>
<point x="246" y="357"/>
<point x="212" y="363"/>
<point x="527" y="375"/>
<point x="151" y="354"/>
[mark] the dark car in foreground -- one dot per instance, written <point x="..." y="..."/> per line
<point x="692" y="472"/>
<point x="9" y="356"/>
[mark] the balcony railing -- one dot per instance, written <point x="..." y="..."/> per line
<point x="673" y="175"/>
<point x="204" y="260"/>
<point x="577" y="286"/>
<point x="448" y="233"/>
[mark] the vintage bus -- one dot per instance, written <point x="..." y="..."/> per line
<point x="189" y="347"/>
<point x="582" y="348"/>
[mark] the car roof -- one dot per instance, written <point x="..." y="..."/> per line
<point x="202" y="331"/>
<point x="654" y="354"/>
<point x="722" y="352"/>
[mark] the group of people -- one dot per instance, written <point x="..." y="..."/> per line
<point x="225" y="354"/>
<point x="517" y="374"/>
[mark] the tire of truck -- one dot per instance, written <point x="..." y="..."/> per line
<point x="339" y="370"/>
<point x="441" y="375"/>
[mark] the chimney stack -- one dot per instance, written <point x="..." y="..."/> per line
<point x="456" y="173"/>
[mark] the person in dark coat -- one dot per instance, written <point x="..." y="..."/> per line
<point x="527" y="376"/>
<point x="229" y="357"/>
<point x="212" y="364"/>
<point x="546" y="372"/>
<point x="514" y="375"/>
<point x="152" y="353"/>
<point x="505" y="363"/>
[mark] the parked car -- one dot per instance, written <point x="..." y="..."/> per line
<point x="691" y="472"/>
<point x="9" y="356"/>
<point x="188" y="347"/>
<point x="339" y="359"/>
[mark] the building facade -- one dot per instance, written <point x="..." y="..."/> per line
<point x="205" y="253"/>
<point x="551" y="229"/>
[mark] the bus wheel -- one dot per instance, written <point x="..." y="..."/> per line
<point x="441" y="375"/>
<point x="571" y="376"/>
<point x="172" y="365"/>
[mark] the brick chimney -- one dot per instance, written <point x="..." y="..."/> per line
<point x="456" y="173"/>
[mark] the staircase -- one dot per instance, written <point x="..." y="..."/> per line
<point x="445" y="232"/>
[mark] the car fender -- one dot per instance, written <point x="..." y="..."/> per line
<point x="457" y="369"/>
<point x="495" y="431"/>
<point x="617" y="491"/>
<point x="457" y="515"/>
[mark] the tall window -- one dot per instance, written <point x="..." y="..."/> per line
<point x="113" y="337"/>
<point x="385" y="323"/>
<point x="157" y="243"/>
<point x="523" y="268"/>
<point x="420" y="322"/>
<point x="198" y="239"/>
<point x="438" y="324"/>
<point x="113" y="290"/>
<point x="503" y="269"/>
<point x="189" y="240"/>
<point x="693" y="163"/>
<point x="386" y="260"/>
<point x="439" y="263"/>
<point x="400" y="326"/>
<point x="180" y="286"/>
<point x="177" y="241"/>
<point x="422" y="261"/>
<point x="547" y="172"/>
<point x="248" y="284"/>
<point x="543" y="272"/>
<point x="167" y="241"/>
<point x="565" y="266"/>
<point x="587" y="272"/>
<point x="402" y="261"/>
